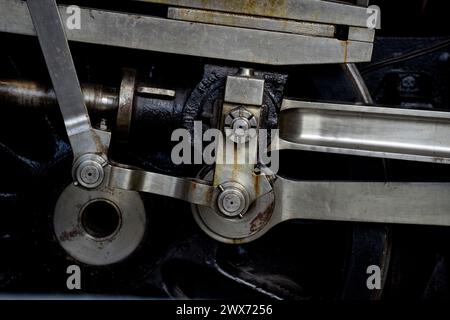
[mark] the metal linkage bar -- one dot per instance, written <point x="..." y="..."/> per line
<point x="366" y="131"/>
<point x="58" y="58"/>
<point x="407" y="203"/>
<point x="174" y="187"/>
<point x="195" y="39"/>
<point x="303" y="10"/>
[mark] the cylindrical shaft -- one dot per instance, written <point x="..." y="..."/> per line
<point x="31" y="94"/>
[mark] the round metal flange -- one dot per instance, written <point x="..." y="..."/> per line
<point x="99" y="227"/>
<point x="235" y="227"/>
<point x="125" y="110"/>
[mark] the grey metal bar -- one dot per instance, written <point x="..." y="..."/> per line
<point x="174" y="187"/>
<point x="50" y="31"/>
<point x="406" y="203"/>
<point x="361" y="34"/>
<point x="261" y="23"/>
<point x="303" y="10"/>
<point x="197" y="39"/>
<point x="55" y="48"/>
<point x="367" y="131"/>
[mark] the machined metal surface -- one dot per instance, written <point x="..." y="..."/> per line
<point x="239" y="124"/>
<point x="120" y="245"/>
<point x="124" y="233"/>
<point x="126" y="103"/>
<point x="377" y="202"/>
<point x="174" y="187"/>
<point x="55" y="48"/>
<point x="252" y="22"/>
<point x="244" y="204"/>
<point x="304" y="10"/>
<point x="243" y="89"/>
<point x="250" y="224"/>
<point x="233" y="200"/>
<point x="366" y="131"/>
<point x="237" y="163"/>
<point x="88" y="170"/>
<point x="152" y="91"/>
<point x="358" y="82"/>
<point x="381" y="202"/>
<point x="361" y="34"/>
<point x="196" y="39"/>
<point x="36" y="96"/>
<point x="52" y="38"/>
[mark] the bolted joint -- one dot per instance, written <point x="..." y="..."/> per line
<point x="88" y="170"/>
<point x="240" y="125"/>
<point x="233" y="200"/>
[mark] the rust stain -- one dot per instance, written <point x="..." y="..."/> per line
<point x="70" y="235"/>
<point x="345" y="45"/>
<point x="256" y="182"/>
<point x="217" y="173"/>
<point x="261" y="219"/>
<point x="235" y="171"/>
<point x="271" y="8"/>
<point x="237" y="241"/>
<point x="251" y="6"/>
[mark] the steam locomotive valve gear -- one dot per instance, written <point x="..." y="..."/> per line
<point x="302" y="138"/>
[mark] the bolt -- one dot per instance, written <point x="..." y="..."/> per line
<point x="88" y="170"/>
<point x="241" y="125"/>
<point x="90" y="173"/>
<point x="233" y="200"/>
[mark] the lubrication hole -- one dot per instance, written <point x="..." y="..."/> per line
<point x="100" y="219"/>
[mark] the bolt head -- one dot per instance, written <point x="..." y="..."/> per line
<point x="233" y="200"/>
<point x="240" y="125"/>
<point x="89" y="171"/>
